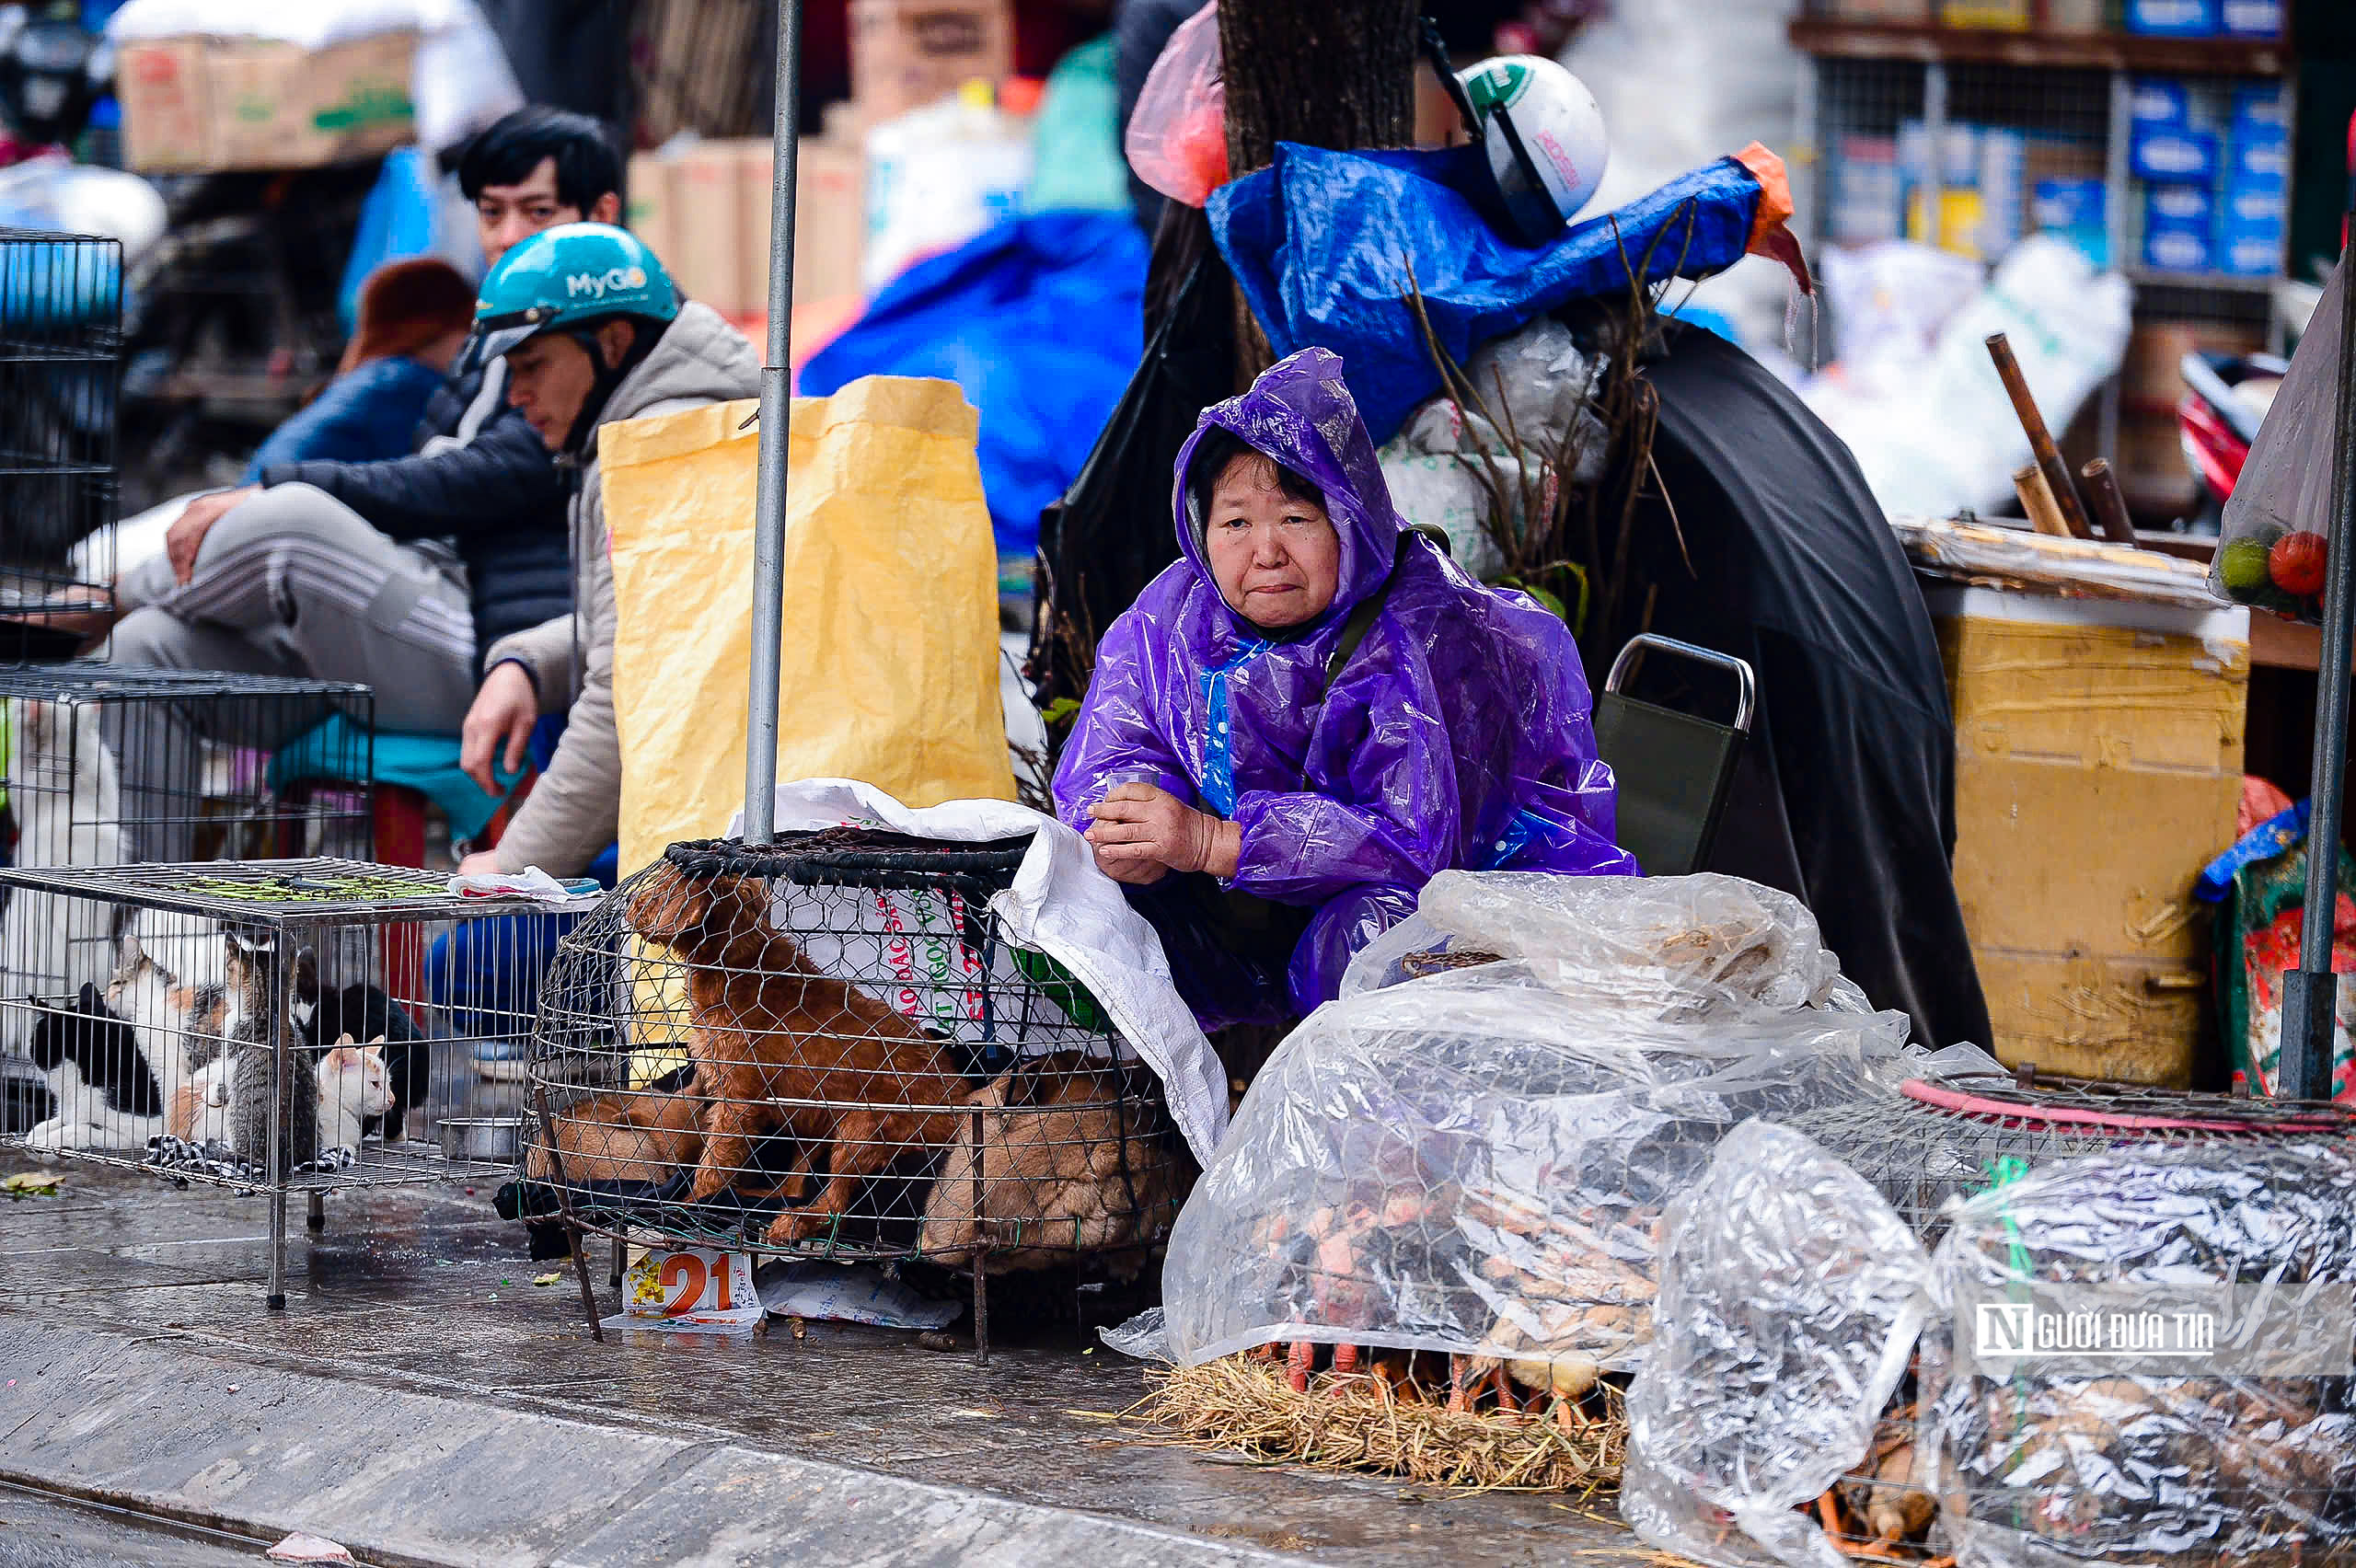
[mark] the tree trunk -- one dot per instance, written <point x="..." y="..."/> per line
<point x="1328" y="72"/>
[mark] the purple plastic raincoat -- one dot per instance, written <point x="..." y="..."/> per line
<point x="1456" y="736"/>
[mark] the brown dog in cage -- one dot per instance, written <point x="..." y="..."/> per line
<point x="1069" y="1159"/>
<point x="767" y="1026"/>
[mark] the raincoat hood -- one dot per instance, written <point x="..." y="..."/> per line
<point x="1299" y="413"/>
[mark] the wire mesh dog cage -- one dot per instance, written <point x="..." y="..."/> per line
<point x="827" y="1048"/>
<point x="282" y="1026"/>
<point x="1930" y="1144"/>
<point x="61" y="345"/>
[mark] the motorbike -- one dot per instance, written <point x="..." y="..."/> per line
<point x="2225" y="398"/>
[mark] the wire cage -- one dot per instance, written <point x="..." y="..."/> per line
<point x="1930" y="1143"/>
<point x="110" y="766"/>
<point x="61" y="343"/>
<point x="829" y="1049"/>
<point x="281" y="1026"/>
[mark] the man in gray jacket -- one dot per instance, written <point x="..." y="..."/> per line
<point x="593" y="332"/>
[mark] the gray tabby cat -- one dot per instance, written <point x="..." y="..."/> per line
<point x="256" y="1031"/>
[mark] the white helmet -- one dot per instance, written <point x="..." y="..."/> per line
<point x="1545" y="137"/>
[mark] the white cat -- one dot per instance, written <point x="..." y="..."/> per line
<point x="354" y="1083"/>
<point x="66" y="799"/>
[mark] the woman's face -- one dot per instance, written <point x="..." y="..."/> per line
<point x="1276" y="560"/>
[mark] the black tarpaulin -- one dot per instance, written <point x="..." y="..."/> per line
<point x="1846" y="794"/>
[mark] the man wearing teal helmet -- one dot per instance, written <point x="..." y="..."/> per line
<point x="592" y="332"/>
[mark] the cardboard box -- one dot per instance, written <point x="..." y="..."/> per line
<point x="907" y="54"/>
<point x="2149" y="380"/>
<point x="202" y="104"/>
<point x="2009" y="16"/>
<point x="2075" y="210"/>
<point x="2098" y="758"/>
<point x="2180" y="206"/>
<point x="1908" y="11"/>
<point x="830" y="232"/>
<point x="648" y="214"/>
<point x="706" y="224"/>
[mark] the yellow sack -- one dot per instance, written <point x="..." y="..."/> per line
<point x="889" y="657"/>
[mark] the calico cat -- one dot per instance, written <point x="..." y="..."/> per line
<point x="105" y="1094"/>
<point x="66" y="798"/>
<point x="199" y="1109"/>
<point x="256" y="1031"/>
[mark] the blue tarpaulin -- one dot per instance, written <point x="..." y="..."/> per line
<point x="1040" y="321"/>
<point x="1321" y="242"/>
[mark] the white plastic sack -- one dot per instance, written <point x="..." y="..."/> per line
<point x="1444" y="493"/>
<point x="937" y="177"/>
<point x="1888" y="302"/>
<point x="1948" y="438"/>
<point x="1471" y="1164"/>
<point x="1791" y="1296"/>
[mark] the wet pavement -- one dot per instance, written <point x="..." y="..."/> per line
<point x="417" y="1306"/>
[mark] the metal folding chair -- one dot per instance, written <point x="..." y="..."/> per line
<point x="1674" y="770"/>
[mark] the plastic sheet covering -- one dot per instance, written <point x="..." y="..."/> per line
<point x="1672" y="948"/>
<point x="1790" y="1298"/>
<point x="2038" y="1469"/>
<point x="1472" y="1164"/>
<point x="1316" y="243"/>
<point x="1177" y="136"/>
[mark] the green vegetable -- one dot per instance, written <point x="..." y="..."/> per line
<point x="2242" y="566"/>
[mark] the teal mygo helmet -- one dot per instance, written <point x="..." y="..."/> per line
<point x="568" y="278"/>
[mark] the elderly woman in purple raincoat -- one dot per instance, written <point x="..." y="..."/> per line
<point x="1313" y="710"/>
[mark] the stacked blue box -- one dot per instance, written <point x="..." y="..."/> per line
<point x="2174" y="18"/>
<point x="2078" y="211"/>
<point x="2255" y="212"/>
<point x="2251" y="18"/>
<point x="2175" y="154"/>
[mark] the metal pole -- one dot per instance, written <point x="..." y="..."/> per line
<point x="2310" y="993"/>
<point x="777" y="415"/>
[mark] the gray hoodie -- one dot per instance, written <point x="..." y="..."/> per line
<point x="575" y="809"/>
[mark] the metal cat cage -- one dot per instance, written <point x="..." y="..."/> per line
<point x="61" y="350"/>
<point x="282" y="1026"/>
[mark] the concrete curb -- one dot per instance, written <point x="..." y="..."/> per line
<point x="181" y="1428"/>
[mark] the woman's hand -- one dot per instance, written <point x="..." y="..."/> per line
<point x="1143" y="831"/>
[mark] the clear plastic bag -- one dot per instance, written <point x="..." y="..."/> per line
<point x="1536" y="383"/>
<point x="2273" y="550"/>
<point x="1469" y="1163"/>
<point x="1669" y="948"/>
<point x="1791" y="1296"/>
<point x="1177" y="140"/>
<point x="2051" y="1463"/>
